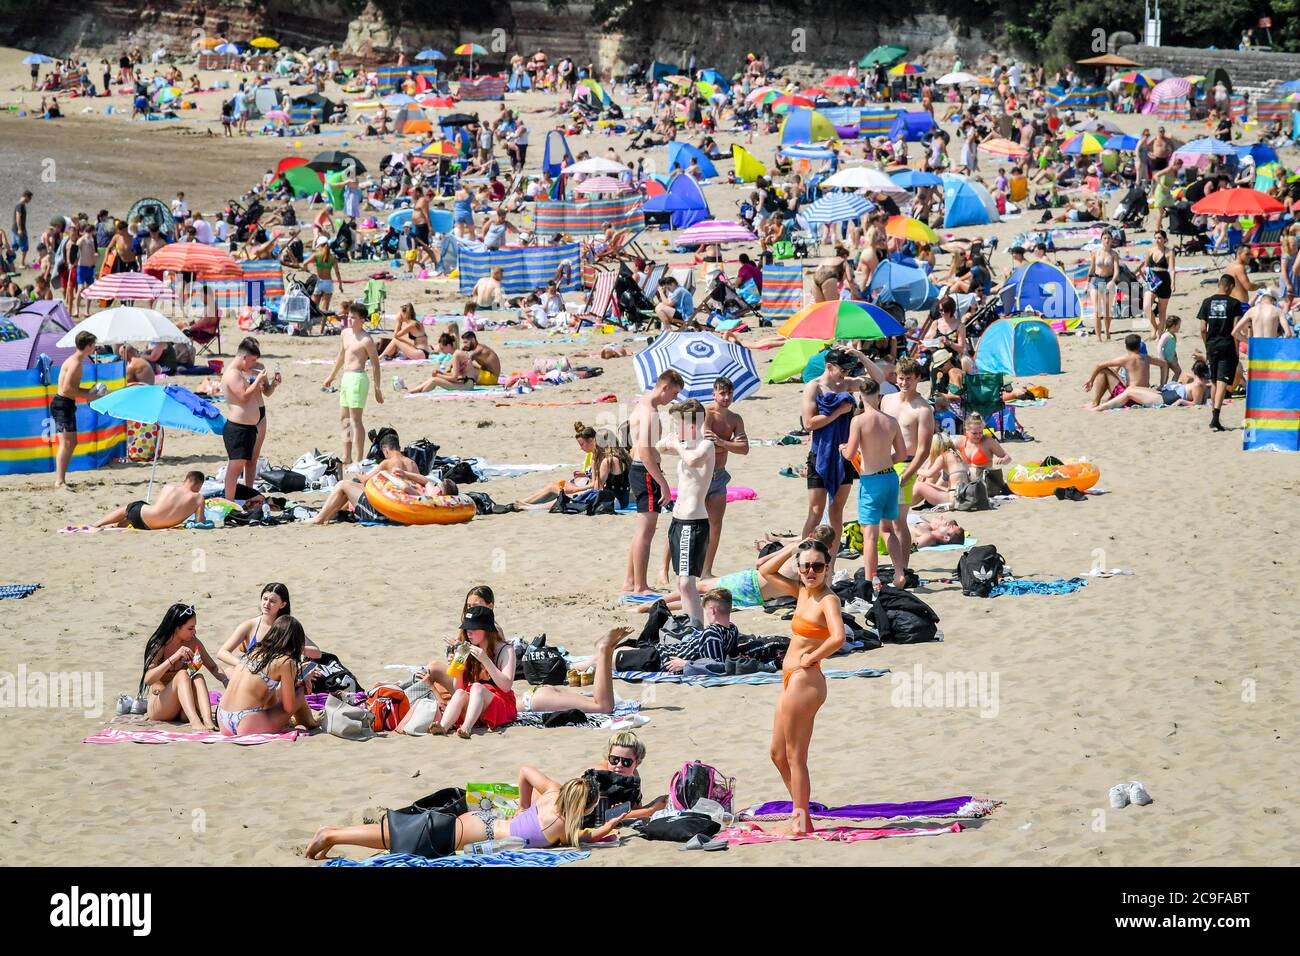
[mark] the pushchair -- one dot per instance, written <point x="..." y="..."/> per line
<point x="724" y="304"/>
<point x="1181" y="224"/>
<point x="298" y="313"/>
<point x="343" y="242"/>
<point x="1133" y="208"/>
<point x="637" y="310"/>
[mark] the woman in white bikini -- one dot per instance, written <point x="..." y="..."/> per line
<point x="265" y="695"/>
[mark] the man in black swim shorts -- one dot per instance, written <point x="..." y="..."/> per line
<point x="1219" y="313"/>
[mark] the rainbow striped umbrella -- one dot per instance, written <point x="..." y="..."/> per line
<point x="840" y="320"/>
<point x="1084" y="144"/>
<point x="785" y="101"/>
<point x="762" y="93"/>
<point x="470" y="49"/>
<point x="715" y="232"/>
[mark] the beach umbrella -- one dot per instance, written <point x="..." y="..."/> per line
<point x="787" y="101"/>
<point x="913" y="230"/>
<point x="599" y="184"/>
<point x="471" y="50"/>
<point x="424" y="55"/>
<point x="792" y="358"/>
<point x="125" y="324"/>
<point x="1238" y="202"/>
<point x="278" y="115"/>
<point x="127" y="286"/>
<point x="303" y="180"/>
<point x="841" y="79"/>
<point x="1003" y="147"/>
<point x="595" y="164"/>
<point x="169" y="406"/>
<point x="915" y="179"/>
<point x="264" y="43"/>
<point x="758" y="93"/>
<point x="956" y="79"/>
<point x="1207" y="146"/>
<point x="441" y="147"/>
<point x="1158" y="73"/>
<point x="1097" y="126"/>
<point x="1134" y="78"/>
<point x="35" y="59"/>
<point x="678" y="80"/>
<point x="333" y="159"/>
<point x="840" y="320"/>
<point x="714" y="232"/>
<point x="1083" y="144"/>
<point x="838" y="207"/>
<point x="862" y="177"/>
<point x="398" y="99"/>
<point x="167" y="94"/>
<point x="906" y="69"/>
<point x="1268" y="175"/>
<point x="907" y="286"/>
<point x="700" y="358"/>
<point x="432" y="101"/>
<point x="226" y="49"/>
<point x="457" y="119"/>
<point x="704" y="88"/>
<point x="1125" y="144"/>
<point x="206" y="262"/>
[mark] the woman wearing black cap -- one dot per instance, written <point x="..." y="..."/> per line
<point x="483" y="690"/>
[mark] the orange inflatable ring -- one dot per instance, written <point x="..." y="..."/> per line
<point x="396" y="502"/>
<point x="1036" y="480"/>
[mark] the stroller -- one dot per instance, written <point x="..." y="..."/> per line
<point x="1132" y="209"/>
<point x="1181" y="224"/>
<point x="298" y="312"/>
<point x="344" y="241"/>
<point x="637" y="310"/>
<point x="724" y="304"/>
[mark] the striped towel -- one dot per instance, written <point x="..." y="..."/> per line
<point x="505" y="858"/>
<point x="742" y="835"/>
<point x="16" y="590"/>
<point x="111" y="735"/>
<point x="782" y="291"/>
<point x="726" y="680"/>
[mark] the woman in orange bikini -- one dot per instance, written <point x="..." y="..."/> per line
<point x="978" y="450"/>
<point x="818" y="632"/>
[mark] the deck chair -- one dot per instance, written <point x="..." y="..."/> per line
<point x="600" y="302"/>
<point x="1265" y="242"/>
<point x="982" y="392"/>
<point x="685" y="276"/>
<point x="650" y="285"/>
<point x="204" y="332"/>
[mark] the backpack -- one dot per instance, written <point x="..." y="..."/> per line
<point x="645" y="658"/>
<point x="979" y="570"/>
<point x="332" y="676"/>
<point x="698" y="781"/>
<point x="543" y="664"/>
<point x="387" y="705"/>
<point x="375" y="435"/>
<point x="901" y="617"/>
<point x="972" y="496"/>
<point x="615" y="789"/>
<point x="422" y="452"/>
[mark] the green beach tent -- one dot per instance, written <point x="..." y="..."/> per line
<point x="791" y="359"/>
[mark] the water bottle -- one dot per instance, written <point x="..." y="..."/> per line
<point x="266" y="511"/>
<point x="489" y="847"/>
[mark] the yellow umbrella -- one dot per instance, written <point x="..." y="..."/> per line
<point x="264" y="43"/>
<point x="913" y="230"/>
<point x="210" y="42"/>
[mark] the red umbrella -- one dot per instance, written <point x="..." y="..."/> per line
<point x="652" y="187"/>
<point x="814" y="91"/>
<point x="289" y="162"/>
<point x="1238" y="202"/>
<point x="206" y="262"/>
<point x="840" y="79"/>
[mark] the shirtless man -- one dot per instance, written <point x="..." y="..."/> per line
<point x="645" y="478"/>
<point x="138" y="371"/>
<point x="1161" y="150"/>
<point x="916" y="419"/>
<point x="726" y="430"/>
<point x="353" y="490"/>
<point x="1106" y="380"/>
<point x="1263" y="320"/>
<point x="1242" y="286"/>
<point x="356" y="347"/>
<point x="487" y="291"/>
<point x="175" y="504"/>
<point x="420" y="216"/>
<point x="63" y="406"/>
<point x="688" y="535"/>
<point x="242" y="389"/>
<point x="878" y="438"/>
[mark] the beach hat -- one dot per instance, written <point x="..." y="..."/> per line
<point x="478" y="618"/>
<point x="940" y="357"/>
<point x="838" y="357"/>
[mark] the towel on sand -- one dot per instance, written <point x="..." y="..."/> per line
<point x="743" y="835"/>
<point x="505" y="858"/>
<point x="111" y="735"/>
<point x="1014" y="587"/>
<point x="965" y="807"/>
<point x="726" y="680"/>
<point x="16" y="590"/>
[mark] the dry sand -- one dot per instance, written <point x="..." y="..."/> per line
<point x="1176" y="675"/>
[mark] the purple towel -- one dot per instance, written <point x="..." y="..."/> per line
<point x="947" y="807"/>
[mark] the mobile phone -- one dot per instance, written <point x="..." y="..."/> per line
<point x="617" y="811"/>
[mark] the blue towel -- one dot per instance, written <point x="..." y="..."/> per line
<point x="505" y="858"/>
<point x="1018" y="586"/>
<point x="826" y="441"/>
<point x="199" y="406"/>
<point x="763" y="677"/>
<point x="16" y="590"/>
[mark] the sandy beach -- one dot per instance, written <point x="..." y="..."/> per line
<point x="1175" y="674"/>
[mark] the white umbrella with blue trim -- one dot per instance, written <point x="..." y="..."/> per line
<point x="700" y="358"/>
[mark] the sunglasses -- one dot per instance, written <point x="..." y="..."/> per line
<point x="812" y="567"/>
<point x="621" y="761"/>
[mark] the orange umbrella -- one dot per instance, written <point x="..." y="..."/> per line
<point x="1003" y="147"/>
<point x="206" y="262"/>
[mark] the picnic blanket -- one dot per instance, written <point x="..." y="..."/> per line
<point x="112" y="735"/>
<point x="744" y="835"/>
<point x="505" y="858"/>
<point x="727" y="680"/>
<point x="967" y="807"/>
<point x="17" y="591"/>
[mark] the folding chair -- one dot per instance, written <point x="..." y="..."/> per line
<point x="1265" y="243"/>
<point x="204" y="332"/>
<point x="685" y="276"/>
<point x="600" y="302"/>
<point x="1221" y="250"/>
<point x="982" y="392"/>
<point x="650" y="285"/>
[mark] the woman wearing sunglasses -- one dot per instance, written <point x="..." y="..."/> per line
<point x="173" y="657"/>
<point x="623" y="756"/>
<point x="817" y="633"/>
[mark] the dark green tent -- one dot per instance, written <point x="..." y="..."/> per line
<point x="1215" y="76"/>
<point x="886" y="54"/>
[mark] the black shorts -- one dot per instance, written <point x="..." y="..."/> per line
<point x="429" y="833"/>
<point x="421" y="232"/>
<point x="649" y="496"/>
<point x="135" y="516"/>
<point x="64" y="412"/>
<point x="1158" y="163"/>
<point x="815" y="480"/>
<point x="1162" y="287"/>
<point x="363" y="510"/>
<point x="240" y="440"/>
<point x="1222" y="358"/>
<point x="688" y="541"/>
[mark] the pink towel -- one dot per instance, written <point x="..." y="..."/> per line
<point x="111" y="735"/>
<point x="742" y="835"/>
<point x="734" y="493"/>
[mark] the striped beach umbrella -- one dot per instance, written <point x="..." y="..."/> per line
<point x="715" y="232"/>
<point x="1207" y="146"/>
<point x="840" y="320"/>
<point x="127" y="286"/>
<point x="756" y="95"/>
<point x="599" y="184"/>
<point x="206" y="262"/>
<point x="906" y="69"/>
<point x="700" y="358"/>
<point x="1003" y="147"/>
<point x="441" y="147"/>
<point x="912" y="230"/>
<point x="1084" y="144"/>
<point x="838" y="207"/>
<point x="786" y="101"/>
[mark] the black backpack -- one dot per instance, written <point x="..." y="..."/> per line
<point x="422" y="452"/>
<point x="615" y="789"/>
<point x="375" y="435"/>
<point x="979" y="570"/>
<point x="901" y="617"/>
<point x="332" y="676"/>
<point x="544" y="665"/>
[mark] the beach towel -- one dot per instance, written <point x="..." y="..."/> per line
<point x="17" y="591"/>
<point x="965" y="807"/>
<point x="600" y="400"/>
<point x="626" y="714"/>
<point x="727" y="680"/>
<point x="556" y="341"/>
<point x="505" y="858"/>
<point x="782" y="291"/>
<point x="1014" y="587"/>
<point x="738" y="836"/>
<point x="485" y="471"/>
<point x="463" y="394"/>
<point x="112" y="735"/>
<point x="826" y="442"/>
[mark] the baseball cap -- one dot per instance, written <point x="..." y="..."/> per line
<point x="478" y="618"/>
<point x="322" y="241"/>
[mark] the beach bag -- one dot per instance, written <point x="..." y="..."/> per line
<point x="375" y="435"/>
<point x="972" y="496"/>
<point x="544" y="665"/>
<point x="346" y="721"/>
<point x="644" y="658"/>
<point x="284" y="479"/>
<point x="615" y="790"/>
<point x="698" y="781"/>
<point x="448" y="800"/>
<point x="462" y="473"/>
<point x="331" y="676"/>
<point x="387" y="705"/>
<point x="422" y="452"/>
<point x="681" y="828"/>
<point x="901" y="617"/>
<point x="979" y="570"/>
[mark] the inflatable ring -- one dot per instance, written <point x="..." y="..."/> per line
<point x="396" y="503"/>
<point x="1036" y="480"/>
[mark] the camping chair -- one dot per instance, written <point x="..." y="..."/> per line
<point x="650" y="284"/>
<point x="204" y="332"/>
<point x="1225" y="249"/>
<point x="1265" y="243"/>
<point x="600" y="302"/>
<point x="982" y="392"/>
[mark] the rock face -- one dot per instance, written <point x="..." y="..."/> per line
<point x="789" y="31"/>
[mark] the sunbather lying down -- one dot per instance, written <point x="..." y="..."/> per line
<point x="607" y="352"/>
<point x="175" y="504"/>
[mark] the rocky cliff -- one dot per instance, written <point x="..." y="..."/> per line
<point x="610" y="34"/>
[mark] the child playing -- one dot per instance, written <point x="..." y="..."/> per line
<point x="1167" y="349"/>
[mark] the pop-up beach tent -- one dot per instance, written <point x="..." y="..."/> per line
<point x="683" y="199"/>
<point x="1043" y="288"/>
<point x="45" y="322"/>
<point x="1019" y="345"/>
<point x="681" y="154"/>
<point x="966" y="203"/>
<point x="556" y="154"/>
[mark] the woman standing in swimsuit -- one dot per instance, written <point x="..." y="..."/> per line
<point x="172" y="659"/>
<point x="829" y="275"/>
<point x="264" y="695"/>
<point x="1159" y="266"/>
<point x="1103" y="274"/>
<point x="817" y="633"/>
